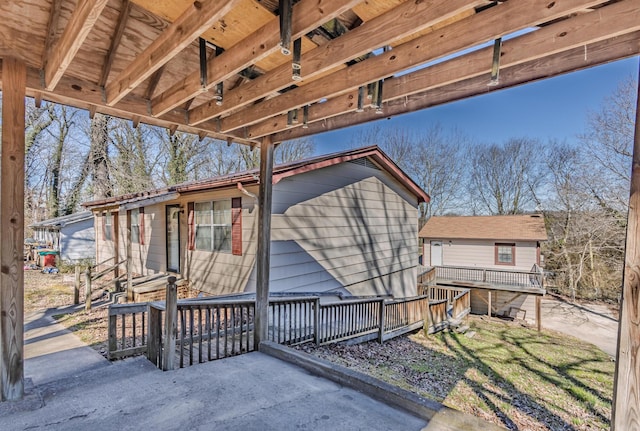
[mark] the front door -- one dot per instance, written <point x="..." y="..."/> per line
<point x="173" y="238"/>
<point x="436" y="253"/>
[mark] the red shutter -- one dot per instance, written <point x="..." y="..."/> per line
<point x="141" y="225"/>
<point x="191" y="243"/>
<point x="236" y="226"/>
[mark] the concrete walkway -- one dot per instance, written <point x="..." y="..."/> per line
<point x="71" y="387"/>
<point x="593" y="323"/>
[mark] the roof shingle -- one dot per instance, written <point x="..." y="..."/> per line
<point x="506" y="227"/>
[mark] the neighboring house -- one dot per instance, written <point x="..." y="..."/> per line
<point x="493" y="245"/>
<point x="344" y="222"/>
<point x="501" y="242"/>
<point x="72" y="235"/>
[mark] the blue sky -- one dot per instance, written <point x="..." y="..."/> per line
<point x="554" y="108"/>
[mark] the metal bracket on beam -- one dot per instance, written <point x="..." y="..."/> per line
<point x="285" y="7"/>
<point x="292" y="117"/>
<point x="219" y="93"/>
<point x="297" y="53"/>
<point x="495" y="67"/>
<point x="379" y="97"/>
<point x="203" y="63"/>
<point x="305" y="117"/>
<point x="360" y="107"/>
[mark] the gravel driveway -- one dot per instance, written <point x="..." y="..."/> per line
<point x="593" y="323"/>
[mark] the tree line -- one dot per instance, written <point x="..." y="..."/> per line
<point x="582" y="190"/>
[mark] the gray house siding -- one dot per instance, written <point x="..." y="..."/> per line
<point x="347" y="227"/>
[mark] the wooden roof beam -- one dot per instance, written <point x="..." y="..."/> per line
<point x="612" y="20"/>
<point x="52" y="28"/>
<point x="489" y="24"/>
<point x="399" y="22"/>
<point x="308" y="15"/>
<point x="194" y="21"/>
<point x="60" y="55"/>
<point x="115" y="42"/>
<point x="601" y="52"/>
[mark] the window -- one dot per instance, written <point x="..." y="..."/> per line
<point x="213" y="226"/>
<point x="505" y="253"/>
<point x="108" y="226"/>
<point x="135" y="226"/>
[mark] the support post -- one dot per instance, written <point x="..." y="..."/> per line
<point x="263" y="256"/>
<point x="170" y="325"/>
<point x="316" y="320"/>
<point x="14" y="80"/>
<point x="538" y="313"/>
<point x="489" y="303"/>
<point x="128" y="252"/>
<point x="87" y="289"/>
<point x="76" y="287"/>
<point x="626" y="391"/>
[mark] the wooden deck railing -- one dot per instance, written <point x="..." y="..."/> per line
<point x="128" y="324"/>
<point x="215" y="328"/>
<point x="533" y="278"/>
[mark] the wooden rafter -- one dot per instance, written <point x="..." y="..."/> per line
<point x="613" y="20"/>
<point x="52" y="28"/>
<point x="115" y="42"/>
<point x="264" y="41"/>
<point x="60" y="55"/>
<point x="556" y="64"/>
<point x="487" y="25"/>
<point x="153" y="82"/>
<point x="183" y="31"/>
<point x="383" y="30"/>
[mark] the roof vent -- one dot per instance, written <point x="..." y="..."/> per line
<point x="366" y="162"/>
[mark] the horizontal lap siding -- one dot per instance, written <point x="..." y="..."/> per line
<point x="481" y="253"/>
<point x="77" y="241"/>
<point x="343" y="226"/>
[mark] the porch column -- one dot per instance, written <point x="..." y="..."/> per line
<point x="626" y="391"/>
<point x="263" y="256"/>
<point x="14" y="79"/>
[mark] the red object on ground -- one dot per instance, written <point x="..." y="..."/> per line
<point x="49" y="260"/>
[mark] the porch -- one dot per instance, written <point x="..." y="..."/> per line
<point x="287" y="390"/>
<point x="507" y="293"/>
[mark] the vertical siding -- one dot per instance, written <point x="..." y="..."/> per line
<point x="345" y="227"/>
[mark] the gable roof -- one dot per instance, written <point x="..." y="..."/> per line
<point x="64" y="220"/>
<point x="506" y="227"/>
<point x="250" y="177"/>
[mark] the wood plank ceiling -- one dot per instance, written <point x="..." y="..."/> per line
<point x="140" y="59"/>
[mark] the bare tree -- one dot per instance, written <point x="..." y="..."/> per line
<point x="504" y="177"/>
<point x="135" y="157"/>
<point x="290" y="151"/>
<point x="99" y="150"/>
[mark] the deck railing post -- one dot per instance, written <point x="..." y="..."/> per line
<point x="382" y="317"/>
<point x="76" y="287"/>
<point x="87" y="289"/>
<point x="170" y="325"/>
<point x="154" y="339"/>
<point x="316" y="320"/>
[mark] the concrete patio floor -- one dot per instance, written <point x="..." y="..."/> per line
<point x="72" y="387"/>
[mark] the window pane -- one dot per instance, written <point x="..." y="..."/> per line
<point x="222" y="238"/>
<point x="504" y="254"/>
<point x="203" y="212"/>
<point x="203" y="238"/>
<point x="222" y="212"/>
<point x="134" y="216"/>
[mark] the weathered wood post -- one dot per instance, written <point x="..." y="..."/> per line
<point x="539" y="312"/>
<point x="316" y="320"/>
<point x="76" y="287"/>
<point x="14" y="79"/>
<point x="87" y="289"/>
<point x="382" y="317"/>
<point x="128" y="264"/>
<point x="263" y="255"/>
<point x="170" y="325"/>
<point x="626" y="392"/>
<point x="154" y="340"/>
<point x="489" y="303"/>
